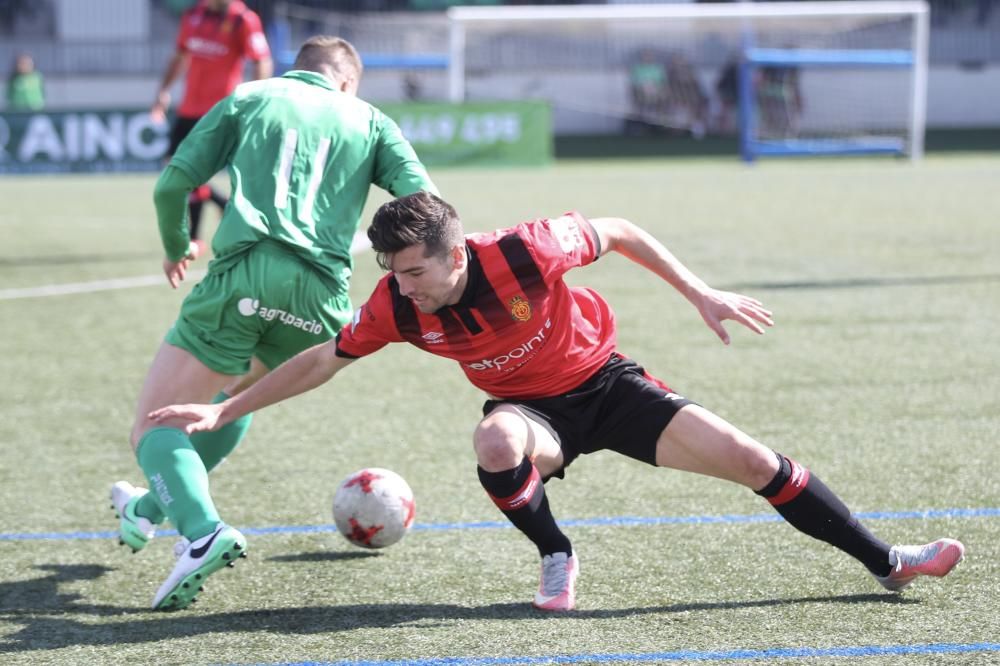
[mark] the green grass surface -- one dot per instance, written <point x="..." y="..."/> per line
<point x="881" y="374"/>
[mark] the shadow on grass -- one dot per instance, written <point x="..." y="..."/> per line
<point x="41" y="595"/>
<point x="855" y="283"/>
<point x="325" y="556"/>
<point x="51" y="626"/>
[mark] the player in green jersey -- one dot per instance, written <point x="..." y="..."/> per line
<point x="302" y="151"/>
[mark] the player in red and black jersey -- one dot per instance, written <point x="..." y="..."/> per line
<point x="514" y="319"/>
<point x="215" y="38"/>
<point x="545" y="354"/>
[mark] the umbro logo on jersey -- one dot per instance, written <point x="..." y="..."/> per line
<point x="673" y="396"/>
<point x="433" y="337"/>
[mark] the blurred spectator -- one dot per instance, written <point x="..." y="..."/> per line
<point x="648" y="90"/>
<point x="685" y="96"/>
<point x="216" y="37"/>
<point x="727" y="91"/>
<point x="780" y="98"/>
<point x="413" y="90"/>
<point x="25" y="89"/>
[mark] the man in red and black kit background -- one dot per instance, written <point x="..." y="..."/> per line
<point x="215" y="39"/>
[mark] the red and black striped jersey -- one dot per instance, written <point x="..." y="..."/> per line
<point x="518" y="331"/>
<point x="218" y="43"/>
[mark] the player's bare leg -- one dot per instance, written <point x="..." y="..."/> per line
<point x="514" y="454"/>
<point x="214" y="446"/>
<point x="174" y="372"/>
<point x="506" y="436"/>
<point x="698" y="441"/>
<point x="178" y="477"/>
<point x="175" y="377"/>
<point x="243" y="382"/>
<point x="139" y="512"/>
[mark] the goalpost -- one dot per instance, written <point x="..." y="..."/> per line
<point x="804" y="78"/>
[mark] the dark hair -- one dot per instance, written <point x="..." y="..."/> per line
<point x="333" y="53"/>
<point x="412" y="220"/>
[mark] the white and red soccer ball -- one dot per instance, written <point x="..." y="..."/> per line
<point x="373" y="508"/>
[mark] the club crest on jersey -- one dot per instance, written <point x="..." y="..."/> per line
<point x="520" y="309"/>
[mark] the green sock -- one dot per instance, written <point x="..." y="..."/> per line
<point x="178" y="477"/>
<point x="148" y="507"/>
<point x="212" y="447"/>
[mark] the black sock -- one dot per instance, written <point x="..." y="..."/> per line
<point x="810" y="507"/>
<point x="520" y="494"/>
<point x="194" y="211"/>
<point x="217" y="197"/>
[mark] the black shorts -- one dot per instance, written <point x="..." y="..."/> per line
<point x="620" y="408"/>
<point x="181" y="128"/>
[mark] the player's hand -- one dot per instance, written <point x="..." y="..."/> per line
<point x="716" y="306"/>
<point x="176" y="271"/>
<point x="190" y="418"/>
<point x="158" y="112"/>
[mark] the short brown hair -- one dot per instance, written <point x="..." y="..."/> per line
<point x="325" y="52"/>
<point x="411" y="220"/>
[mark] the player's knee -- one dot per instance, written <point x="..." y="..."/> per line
<point x="136" y="435"/>
<point x="141" y="426"/>
<point x="497" y="443"/>
<point x="760" y="464"/>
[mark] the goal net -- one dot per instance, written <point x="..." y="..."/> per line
<point x="788" y="77"/>
<point x="405" y="54"/>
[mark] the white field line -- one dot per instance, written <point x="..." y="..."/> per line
<point x="360" y="244"/>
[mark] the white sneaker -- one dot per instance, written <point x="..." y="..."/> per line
<point x="196" y="561"/>
<point x="134" y="531"/>
<point x="933" y="559"/>
<point x="557" y="586"/>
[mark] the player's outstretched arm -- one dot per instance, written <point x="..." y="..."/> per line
<point x="714" y="305"/>
<point x="262" y="69"/>
<point x="309" y="369"/>
<point x="170" y="198"/>
<point x="175" y="68"/>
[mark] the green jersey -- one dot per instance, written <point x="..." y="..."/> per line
<point x="25" y="92"/>
<point x="301" y="157"/>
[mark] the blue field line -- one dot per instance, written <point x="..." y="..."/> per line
<point x="682" y="655"/>
<point x="617" y="521"/>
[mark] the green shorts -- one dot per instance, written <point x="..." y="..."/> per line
<point x="271" y="304"/>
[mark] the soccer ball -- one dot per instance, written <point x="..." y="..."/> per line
<point x="373" y="508"/>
